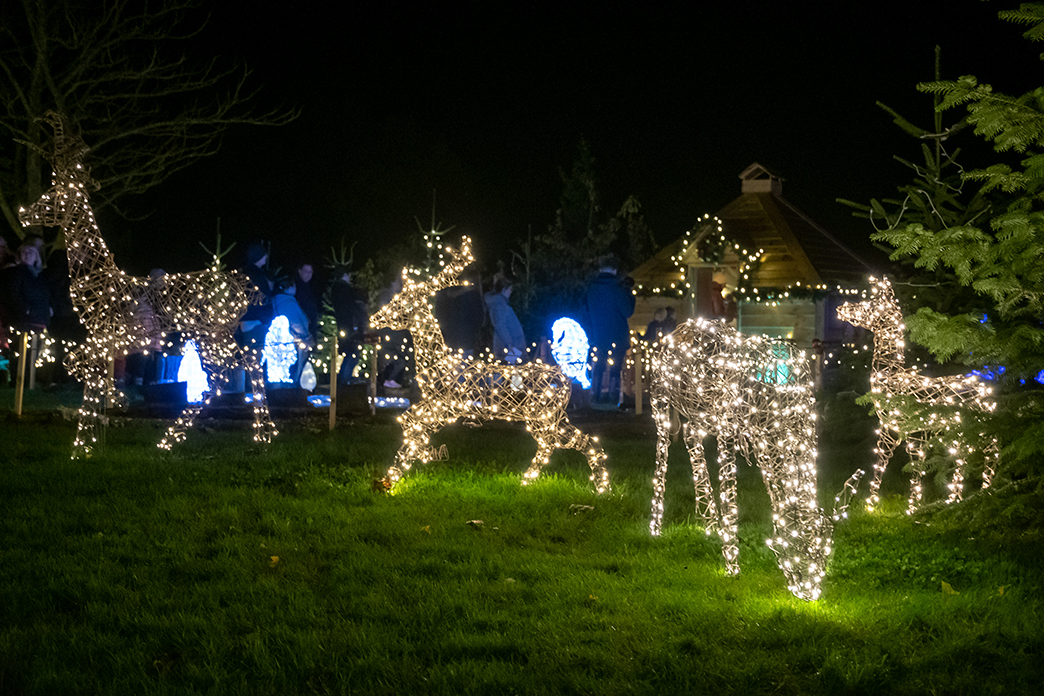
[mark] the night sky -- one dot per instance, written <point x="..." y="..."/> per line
<point x="486" y="106"/>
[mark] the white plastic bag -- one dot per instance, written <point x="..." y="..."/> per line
<point x="308" y="381"/>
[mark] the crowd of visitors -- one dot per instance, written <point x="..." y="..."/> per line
<point x="35" y="296"/>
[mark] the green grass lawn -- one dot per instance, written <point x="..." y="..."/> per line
<point x="224" y="569"/>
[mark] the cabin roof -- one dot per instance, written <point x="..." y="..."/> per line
<point x="795" y="248"/>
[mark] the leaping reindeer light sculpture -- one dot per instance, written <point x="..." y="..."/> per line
<point x="205" y="306"/>
<point x="755" y="395"/>
<point x="454" y="387"/>
<point x="892" y="384"/>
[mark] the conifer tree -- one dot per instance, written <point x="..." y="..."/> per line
<point x="1000" y="256"/>
<point x="938" y="197"/>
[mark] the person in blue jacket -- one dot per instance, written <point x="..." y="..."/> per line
<point x="610" y="303"/>
<point x="509" y="341"/>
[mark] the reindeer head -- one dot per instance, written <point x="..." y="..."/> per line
<point x="879" y="311"/>
<point x="71" y="180"/>
<point x="804" y="531"/>
<point x="412" y="299"/>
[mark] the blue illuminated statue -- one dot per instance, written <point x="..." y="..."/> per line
<point x="280" y="351"/>
<point x="191" y="371"/>
<point x="569" y="347"/>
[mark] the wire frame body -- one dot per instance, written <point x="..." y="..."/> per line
<point x="454" y="387"/>
<point x="754" y="394"/>
<point x="124" y="313"/>
<point x="921" y="410"/>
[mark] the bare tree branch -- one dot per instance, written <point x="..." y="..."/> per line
<point x="121" y="72"/>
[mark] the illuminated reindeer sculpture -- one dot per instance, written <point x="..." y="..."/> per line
<point x="454" y="387"/>
<point x="938" y="418"/>
<point x="755" y="395"/>
<point x="205" y="306"/>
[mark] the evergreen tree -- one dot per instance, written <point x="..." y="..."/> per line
<point x="999" y="257"/>
<point x="552" y="270"/>
<point x="938" y="197"/>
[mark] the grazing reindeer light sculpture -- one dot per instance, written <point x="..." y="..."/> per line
<point x="454" y="387"/>
<point x="892" y="384"/>
<point x="755" y="395"/>
<point x="205" y="306"/>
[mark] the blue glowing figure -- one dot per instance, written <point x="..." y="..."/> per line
<point x="280" y="350"/>
<point x="191" y="371"/>
<point x="569" y="347"/>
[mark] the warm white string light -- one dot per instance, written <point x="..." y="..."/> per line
<point x="894" y="388"/>
<point x="205" y="306"/>
<point x="457" y="387"/>
<point x="755" y="395"/>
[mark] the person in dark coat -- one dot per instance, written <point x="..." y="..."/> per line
<point x="509" y="341"/>
<point x="254" y="324"/>
<point x="306" y="297"/>
<point x="460" y="312"/>
<point x="610" y="303"/>
<point x="655" y="329"/>
<point x="351" y="310"/>
<point x="26" y="298"/>
<point x="670" y="323"/>
<point x="7" y="260"/>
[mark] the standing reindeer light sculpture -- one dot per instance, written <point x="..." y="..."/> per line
<point x="205" y="306"/>
<point x="453" y="386"/>
<point x="892" y="385"/>
<point x="755" y="395"/>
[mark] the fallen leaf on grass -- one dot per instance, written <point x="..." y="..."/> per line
<point x="426" y="528"/>
<point x="273" y="561"/>
<point x="947" y="588"/>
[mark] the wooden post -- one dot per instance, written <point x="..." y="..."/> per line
<point x="33" y="349"/>
<point x="639" y="354"/>
<point x="23" y="355"/>
<point x="372" y="363"/>
<point x="334" y="365"/>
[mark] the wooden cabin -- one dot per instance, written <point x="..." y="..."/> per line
<point x="759" y="262"/>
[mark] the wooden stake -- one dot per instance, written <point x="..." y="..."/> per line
<point x="23" y="356"/>
<point x="334" y="367"/>
<point x="638" y="355"/>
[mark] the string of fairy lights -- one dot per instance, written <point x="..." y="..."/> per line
<point x="913" y="407"/>
<point x="123" y="313"/>
<point x="458" y="387"/>
<point x="754" y="394"/>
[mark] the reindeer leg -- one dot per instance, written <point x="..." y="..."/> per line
<point x="887" y="441"/>
<point x="90" y="414"/>
<point x="728" y="527"/>
<point x="990" y="455"/>
<point x="417" y="430"/>
<point x="706" y="509"/>
<point x="566" y="436"/>
<point x="956" y="484"/>
<point x="663" y="444"/>
<point x="92" y="374"/>
<point x="917" y="449"/>
<point x="176" y="433"/>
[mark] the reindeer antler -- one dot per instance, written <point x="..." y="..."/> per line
<point x="67" y="152"/>
<point x="451" y="268"/>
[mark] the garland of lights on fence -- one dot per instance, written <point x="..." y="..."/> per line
<point x="922" y="410"/>
<point x="124" y="314"/>
<point x="454" y="387"/>
<point x="754" y="394"/>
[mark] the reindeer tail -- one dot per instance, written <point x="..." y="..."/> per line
<point x="844" y="498"/>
